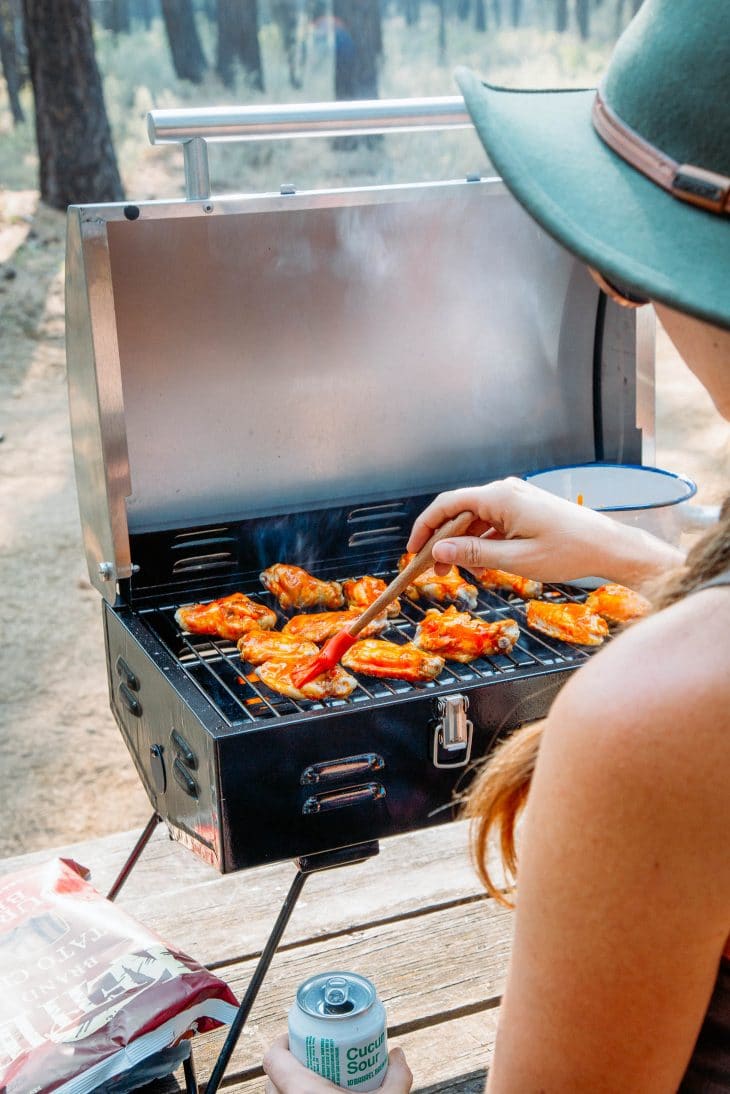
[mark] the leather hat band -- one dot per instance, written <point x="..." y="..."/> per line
<point x="688" y="183"/>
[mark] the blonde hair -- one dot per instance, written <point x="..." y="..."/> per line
<point x="500" y="791"/>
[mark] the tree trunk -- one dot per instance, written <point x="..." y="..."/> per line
<point x="238" y="41"/>
<point x="358" y="44"/>
<point x="497" y="9"/>
<point x="77" y="161"/>
<point x="561" y="15"/>
<point x="618" y="18"/>
<point x="103" y="13"/>
<point x="583" y="15"/>
<point x="142" y="10"/>
<point x="18" y="34"/>
<point x="9" y="60"/>
<point x="120" y="21"/>
<point x="480" y="15"/>
<point x="442" y="32"/>
<point x="188" y="58"/>
<point x="635" y="5"/>
<point x="463" y="8"/>
<point x="516" y="12"/>
<point x="285" y="14"/>
<point x="412" y="12"/>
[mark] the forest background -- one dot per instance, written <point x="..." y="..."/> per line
<point x="64" y="771"/>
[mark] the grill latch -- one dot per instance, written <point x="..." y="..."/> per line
<point x="453" y="732"/>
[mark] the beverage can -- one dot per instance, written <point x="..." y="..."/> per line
<point x="337" y="1028"/>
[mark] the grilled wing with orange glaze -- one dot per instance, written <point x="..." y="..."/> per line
<point x="333" y="684"/>
<point x="458" y="636"/>
<point x="293" y="587"/>
<point x="229" y="617"/>
<point x="319" y="626"/>
<point x="258" y="646"/>
<point x="513" y="583"/>
<point x="617" y="604"/>
<point x="450" y="587"/>
<point x="362" y="593"/>
<point x="574" y="623"/>
<point x="375" y="657"/>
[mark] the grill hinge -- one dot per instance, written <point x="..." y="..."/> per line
<point x="453" y="732"/>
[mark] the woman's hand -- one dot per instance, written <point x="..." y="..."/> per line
<point x="526" y="530"/>
<point x="287" y="1076"/>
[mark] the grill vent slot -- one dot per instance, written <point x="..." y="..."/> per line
<point x="204" y="563"/>
<point x="390" y="535"/>
<point x="204" y="551"/>
<point x="370" y="513"/>
<point x="215" y="534"/>
<point x="386" y="525"/>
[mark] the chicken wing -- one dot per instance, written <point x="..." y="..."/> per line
<point x="333" y="684"/>
<point x="375" y="657"/>
<point x="319" y="626"/>
<point x="458" y="636"/>
<point x="360" y="594"/>
<point x="229" y="617"/>
<point x="258" y="646"/>
<point x="450" y="587"/>
<point x="617" y="604"/>
<point x="574" y="623"/>
<point x="293" y="587"/>
<point x="513" y="583"/>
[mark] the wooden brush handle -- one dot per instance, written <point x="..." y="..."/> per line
<point x="420" y="562"/>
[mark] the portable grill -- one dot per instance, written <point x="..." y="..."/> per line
<point x="291" y="377"/>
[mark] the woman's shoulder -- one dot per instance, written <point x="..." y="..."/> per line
<point x="662" y="687"/>
<point x="681" y="651"/>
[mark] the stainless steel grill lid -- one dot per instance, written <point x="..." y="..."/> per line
<point x="287" y="353"/>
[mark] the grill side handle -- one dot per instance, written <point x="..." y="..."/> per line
<point x="195" y="126"/>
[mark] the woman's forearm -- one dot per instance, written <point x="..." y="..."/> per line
<point x="634" y="557"/>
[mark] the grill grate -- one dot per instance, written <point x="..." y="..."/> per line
<point x="215" y="667"/>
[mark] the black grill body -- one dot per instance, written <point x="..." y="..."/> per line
<point x="244" y="776"/>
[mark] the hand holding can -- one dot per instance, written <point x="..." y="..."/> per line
<point x="285" y="1075"/>
<point x="337" y="1028"/>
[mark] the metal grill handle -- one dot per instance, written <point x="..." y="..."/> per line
<point x="195" y="126"/>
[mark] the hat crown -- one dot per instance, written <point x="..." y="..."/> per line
<point x="668" y="79"/>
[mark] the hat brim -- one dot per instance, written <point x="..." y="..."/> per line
<point x="544" y="146"/>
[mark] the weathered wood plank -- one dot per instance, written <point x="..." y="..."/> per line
<point x="414" y="918"/>
<point x="217" y="918"/>
<point x="432" y="969"/>
<point x="164" y="863"/>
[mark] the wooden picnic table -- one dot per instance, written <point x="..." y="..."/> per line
<point x="413" y="918"/>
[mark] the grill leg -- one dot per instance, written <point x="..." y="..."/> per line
<point x="309" y="864"/>
<point x="131" y="861"/>
<point x="191" y="1081"/>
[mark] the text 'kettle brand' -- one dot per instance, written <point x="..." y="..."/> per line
<point x="337" y="1028"/>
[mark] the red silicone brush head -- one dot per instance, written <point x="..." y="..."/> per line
<point x="327" y="658"/>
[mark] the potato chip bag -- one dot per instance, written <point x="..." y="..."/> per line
<point x="87" y="992"/>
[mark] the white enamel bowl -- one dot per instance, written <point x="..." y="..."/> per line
<point x="648" y="497"/>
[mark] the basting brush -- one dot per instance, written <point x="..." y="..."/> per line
<point x="339" y="644"/>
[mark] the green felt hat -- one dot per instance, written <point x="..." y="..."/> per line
<point x="665" y="92"/>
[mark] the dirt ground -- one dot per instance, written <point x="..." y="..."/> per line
<point x="64" y="771"/>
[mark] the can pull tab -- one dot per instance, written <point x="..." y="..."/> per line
<point x="336" y="996"/>
<point x="452" y="732"/>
